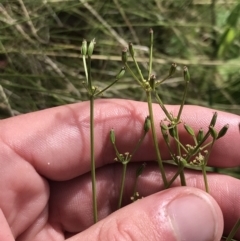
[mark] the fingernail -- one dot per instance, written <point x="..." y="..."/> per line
<point x="192" y="218"/>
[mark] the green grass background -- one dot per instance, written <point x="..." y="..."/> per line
<point x="41" y="65"/>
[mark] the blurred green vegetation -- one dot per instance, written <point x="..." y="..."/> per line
<point x="40" y="41"/>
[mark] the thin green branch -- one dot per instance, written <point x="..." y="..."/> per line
<point x="106" y="88"/>
<point x="162" y="106"/>
<point x="139" y="143"/>
<point x="205" y="178"/>
<point x="93" y="170"/>
<point x="150" y="54"/>
<point x="133" y="75"/>
<point x="155" y="141"/>
<point x="85" y="67"/>
<point x="89" y="74"/>
<point x="122" y="185"/>
<point x="183" y="100"/>
<point x="234" y="230"/>
<point x="182" y="176"/>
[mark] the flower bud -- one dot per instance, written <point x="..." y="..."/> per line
<point x="189" y="130"/>
<point x="200" y="135"/>
<point x="91" y="47"/>
<point x="140" y="169"/>
<point x="84" y="47"/>
<point x="112" y="136"/>
<point x="152" y="81"/>
<point x="213" y="132"/>
<point x="147" y="124"/>
<point x="172" y="131"/>
<point x="121" y="73"/>
<point x="163" y="126"/>
<point x="131" y="50"/>
<point x="214" y="119"/>
<point x="172" y="69"/>
<point x="223" y="131"/>
<point x="186" y="74"/>
<point x="124" y="55"/>
<point x="164" y="129"/>
<point x="151" y="36"/>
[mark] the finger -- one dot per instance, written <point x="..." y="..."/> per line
<point x="162" y="216"/>
<point x="56" y="141"/>
<point x="23" y="192"/>
<point x="71" y="201"/>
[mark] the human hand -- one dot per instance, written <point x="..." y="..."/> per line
<point x="45" y="188"/>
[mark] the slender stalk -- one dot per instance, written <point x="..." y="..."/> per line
<point x="204" y="167"/>
<point x="196" y="149"/>
<point x="103" y="90"/>
<point x="183" y="101"/>
<point x="138" y="173"/>
<point x="85" y="67"/>
<point x="158" y="82"/>
<point x="180" y="169"/>
<point x="93" y="170"/>
<point x="233" y="231"/>
<point x="122" y="185"/>
<point x="138" y="69"/>
<point x="159" y="159"/>
<point x="150" y="54"/>
<point x="162" y="106"/>
<point x="89" y="68"/>
<point x="182" y="176"/>
<point x="134" y="76"/>
<point x="205" y="178"/>
<point x="179" y="143"/>
<point x="139" y="143"/>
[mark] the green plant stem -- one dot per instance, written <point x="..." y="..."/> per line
<point x="180" y="144"/>
<point x="182" y="176"/>
<point x="161" y="81"/>
<point x="183" y="100"/>
<point x="150" y="55"/>
<point x="205" y="178"/>
<point x="204" y="167"/>
<point x="93" y="170"/>
<point x="89" y="68"/>
<point x="162" y="106"/>
<point x="180" y="169"/>
<point x="134" y="76"/>
<point x="103" y="90"/>
<point x="122" y="185"/>
<point x="139" y="143"/>
<point x="196" y="149"/>
<point x="138" y="69"/>
<point x="159" y="159"/>
<point x="85" y="67"/>
<point x="234" y="230"/>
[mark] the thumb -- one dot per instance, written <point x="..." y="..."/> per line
<point x="176" y="214"/>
